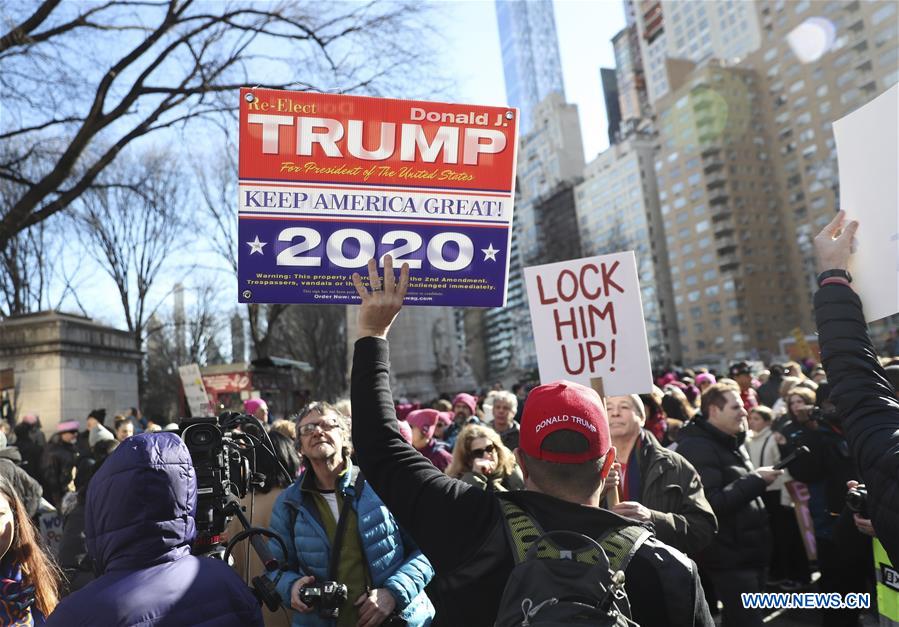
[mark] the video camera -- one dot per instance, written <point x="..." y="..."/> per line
<point x="223" y="452"/>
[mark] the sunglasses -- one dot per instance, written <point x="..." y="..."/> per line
<point x="480" y="452"/>
<point x="327" y="424"/>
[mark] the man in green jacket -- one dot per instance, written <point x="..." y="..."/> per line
<point x="657" y="485"/>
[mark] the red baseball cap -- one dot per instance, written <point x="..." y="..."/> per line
<point x="564" y="405"/>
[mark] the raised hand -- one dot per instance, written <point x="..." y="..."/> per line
<point x="383" y="302"/>
<point x="833" y="244"/>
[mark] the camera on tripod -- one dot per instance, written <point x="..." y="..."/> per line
<point x="223" y="469"/>
<point x="221" y="450"/>
<point x="326" y="597"/>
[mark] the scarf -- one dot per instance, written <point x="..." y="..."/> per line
<point x="16" y="596"/>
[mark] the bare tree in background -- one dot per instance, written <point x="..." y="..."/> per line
<point x="218" y="188"/>
<point x="166" y="351"/>
<point x="316" y="334"/>
<point x="79" y="82"/>
<point x="132" y="228"/>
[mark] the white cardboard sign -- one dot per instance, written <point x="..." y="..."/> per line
<point x="588" y="322"/>
<point x="194" y="390"/>
<point x="868" y="153"/>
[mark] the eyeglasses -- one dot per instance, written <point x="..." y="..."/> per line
<point x="326" y="424"/>
<point x="480" y="452"/>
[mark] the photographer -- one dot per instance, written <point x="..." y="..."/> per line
<point x="139" y="523"/>
<point x="861" y="391"/>
<point x="337" y="530"/>
<point x="844" y="555"/>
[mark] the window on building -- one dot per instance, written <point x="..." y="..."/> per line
<point x="693" y="296"/>
<point x="849" y="95"/>
<point x="797" y="86"/>
<point x="702" y="226"/>
<point x="708" y="275"/>
<point x="883" y="13"/>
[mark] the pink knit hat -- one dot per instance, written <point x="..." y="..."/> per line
<point x="424" y="419"/>
<point x="445" y="418"/>
<point x="705" y="377"/>
<point x="67" y="426"/>
<point x="467" y="399"/>
<point x="251" y="405"/>
<point x="29" y="419"/>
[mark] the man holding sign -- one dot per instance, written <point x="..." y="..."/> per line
<point x="564" y="454"/>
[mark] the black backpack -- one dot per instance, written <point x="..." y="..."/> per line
<point x="552" y="586"/>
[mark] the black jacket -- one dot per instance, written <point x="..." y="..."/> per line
<point x="769" y="391"/>
<point x="743" y="539"/>
<point x="461" y="529"/>
<point x="867" y="402"/>
<point x="56" y="468"/>
<point x="828" y="462"/>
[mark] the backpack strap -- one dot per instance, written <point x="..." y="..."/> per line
<point x="620" y="544"/>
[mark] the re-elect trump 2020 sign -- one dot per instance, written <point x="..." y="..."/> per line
<point x="587" y="317"/>
<point x="328" y="182"/>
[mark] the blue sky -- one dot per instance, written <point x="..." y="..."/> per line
<point x="585" y="29"/>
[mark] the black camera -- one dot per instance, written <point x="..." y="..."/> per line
<point x="222" y="470"/>
<point x="857" y="500"/>
<point x="327" y="597"/>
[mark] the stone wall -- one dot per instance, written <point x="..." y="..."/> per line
<point x="66" y="365"/>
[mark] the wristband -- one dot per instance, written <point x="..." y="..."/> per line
<point x="827" y="274"/>
<point x="834" y="280"/>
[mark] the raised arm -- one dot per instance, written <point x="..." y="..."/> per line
<point x="446" y="518"/>
<point x="865" y="398"/>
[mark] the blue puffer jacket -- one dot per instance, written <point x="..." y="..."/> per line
<point x="139" y="522"/>
<point x="395" y="563"/>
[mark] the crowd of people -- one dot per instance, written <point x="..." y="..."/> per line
<point x="537" y="505"/>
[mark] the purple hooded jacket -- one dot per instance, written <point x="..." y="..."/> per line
<point x="139" y="522"/>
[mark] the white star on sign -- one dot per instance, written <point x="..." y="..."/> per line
<point x="256" y="246"/>
<point x="490" y="252"/>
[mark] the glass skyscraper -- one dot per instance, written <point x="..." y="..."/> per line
<point x="530" y="49"/>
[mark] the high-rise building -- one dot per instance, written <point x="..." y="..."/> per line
<point x="695" y="31"/>
<point x="618" y="209"/>
<point x="632" y="99"/>
<point x="727" y="243"/>
<point x="550" y="155"/>
<point x="703" y="29"/>
<point x="803" y="99"/>
<point x="530" y="50"/>
<point x="649" y="20"/>
<point x="611" y="98"/>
